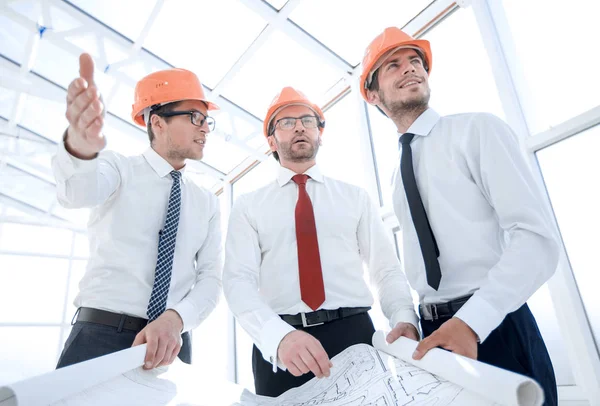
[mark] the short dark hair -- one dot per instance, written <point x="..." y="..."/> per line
<point x="271" y="133"/>
<point x="165" y="108"/>
<point x="374" y="85"/>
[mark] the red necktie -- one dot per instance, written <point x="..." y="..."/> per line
<point x="312" y="290"/>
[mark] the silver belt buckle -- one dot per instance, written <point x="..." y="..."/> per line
<point x="305" y="324"/>
<point x="430" y="312"/>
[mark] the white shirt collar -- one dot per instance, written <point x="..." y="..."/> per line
<point x="158" y="163"/>
<point x="424" y="123"/>
<point x="284" y="175"/>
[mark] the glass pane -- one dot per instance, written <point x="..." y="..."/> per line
<point x="33" y="11"/>
<point x="547" y="35"/>
<point x="120" y="103"/>
<point x="203" y="179"/>
<point x="278" y="4"/>
<point x="449" y="92"/>
<point x="575" y="206"/>
<point x="210" y="343"/>
<point x="45" y="117"/>
<point x="124" y="139"/>
<point x="61" y="66"/>
<point x="340" y="156"/>
<point x="56" y="64"/>
<point x="226" y="146"/>
<point x="34" y="239"/>
<point x="454" y="88"/>
<point x="82" y="246"/>
<point x="275" y="65"/>
<point x="126" y="17"/>
<point x="259" y="176"/>
<point x="14" y="37"/>
<point x="222" y="154"/>
<point x="543" y="310"/>
<point x="206" y="37"/>
<point x="22" y="186"/>
<point x="385" y="143"/>
<point x="355" y="26"/>
<point x="8" y="98"/>
<point x="32" y="351"/>
<point x="33" y="287"/>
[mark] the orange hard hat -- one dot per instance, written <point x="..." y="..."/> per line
<point x="390" y="40"/>
<point x="166" y="86"/>
<point x="288" y="97"/>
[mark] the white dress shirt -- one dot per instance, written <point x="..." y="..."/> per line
<point x="485" y="210"/>
<point x="129" y="198"/>
<point x="260" y="277"/>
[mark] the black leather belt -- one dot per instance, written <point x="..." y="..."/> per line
<point x="322" y="316"/>
<point x="435" y="311"/>
<point x="120" y="321"/>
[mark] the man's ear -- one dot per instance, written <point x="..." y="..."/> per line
<point x="157" y="124"/>
<point x="373" y="97"/>
<point x="272" y="143"/>
<point x="320" y="139"/>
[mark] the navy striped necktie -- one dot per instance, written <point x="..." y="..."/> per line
<point x="166" y="249"/>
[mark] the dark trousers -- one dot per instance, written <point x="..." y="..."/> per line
<point x="91" y="340"/>
<point x="335" y="337"/>
<point x="517" y="345"/>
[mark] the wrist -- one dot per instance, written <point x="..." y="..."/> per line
<point x="74" y="152"/>
<point x="175" y="319"/>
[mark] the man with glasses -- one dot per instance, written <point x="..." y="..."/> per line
<point x="295" y="250"/>
<point x="155" y="258"/>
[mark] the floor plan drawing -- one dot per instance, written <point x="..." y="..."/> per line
<point x="364" y="376"/>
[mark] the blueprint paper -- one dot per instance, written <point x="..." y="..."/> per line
<point x="361" y="376"/>
<point x="504" y="387"/>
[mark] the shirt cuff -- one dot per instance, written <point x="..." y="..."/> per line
<point x="480" y="316"/>
<point x="70" y="165"/>
<point x="270" y="337"/>
<point x="405" y="316"/>
<point x="187" y="312"/>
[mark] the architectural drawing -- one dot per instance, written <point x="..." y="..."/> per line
<point x="364" y="376"/>
<point x="361" y="376"/>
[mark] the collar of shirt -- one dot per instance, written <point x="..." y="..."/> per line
<point x="158" y="163"/>
<point x="284" y="175"/>
<point x="423" y="125"/>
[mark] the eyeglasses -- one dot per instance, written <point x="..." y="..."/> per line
<point x="289" y="123"/>
<point x="196" y="117"/>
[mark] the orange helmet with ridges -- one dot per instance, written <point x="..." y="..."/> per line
<point x="288" y="97"/>
<point x="389" y="41"/>
<point x="166" y="86"/>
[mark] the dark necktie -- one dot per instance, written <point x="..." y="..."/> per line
<point x="429" y="248"/>
<point x="312" y="289"/>
<point x="166" y="249"/>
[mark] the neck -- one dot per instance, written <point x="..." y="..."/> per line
<point x="406" y="118"/>
<point x="176" y="162"/>
<point x="298" y="167"/>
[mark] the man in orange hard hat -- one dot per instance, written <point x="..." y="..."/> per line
<point x="295" y="249"/>
<point x="473" y="253"/>
<point x="155" y="264"/>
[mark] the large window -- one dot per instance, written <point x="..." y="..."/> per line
<point x="556" y="43"/>
<point x="38" y="272"/>
<point x="340" y="156"/>
<point x="570" y="170"/>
